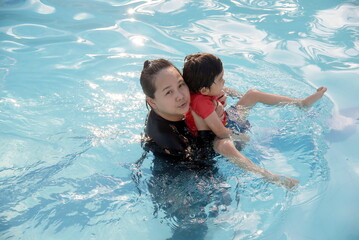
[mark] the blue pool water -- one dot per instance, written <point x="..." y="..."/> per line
<point x="72" y="114"/>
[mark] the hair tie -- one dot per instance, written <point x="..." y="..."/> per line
<point x="146" y="63"/>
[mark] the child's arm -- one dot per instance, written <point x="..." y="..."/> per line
<point x="215" y="124"/>
<point x="232" y="93"/>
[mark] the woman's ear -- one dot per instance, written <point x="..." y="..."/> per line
<point x="204" y="91"/>
<point x="151" y="102"/>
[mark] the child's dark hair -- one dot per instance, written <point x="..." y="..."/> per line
<point x="150" y="69"/>
<point x="200" y="70"/>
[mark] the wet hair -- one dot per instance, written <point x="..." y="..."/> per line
<point x="150" y="69"/>
<point x="200" y="70"/>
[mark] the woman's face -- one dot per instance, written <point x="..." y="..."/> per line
<point x="172" y="96"/>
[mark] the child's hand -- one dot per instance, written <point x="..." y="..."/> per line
<point x="222" y="98"/>
<point x="219" y="108"/>
<point x="282" y="181"/>
<point x="286" y="181"/>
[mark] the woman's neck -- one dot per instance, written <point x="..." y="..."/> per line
<point x="172" y="118"/>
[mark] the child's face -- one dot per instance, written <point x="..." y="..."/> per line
<point x="172" y="96"/>
<point x="217" y="86"/>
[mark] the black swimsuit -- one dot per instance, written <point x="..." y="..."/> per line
<point x="173" y="141"/>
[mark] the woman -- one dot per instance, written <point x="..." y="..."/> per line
<point x="168" y="137"/>
<point x="182" y="172"/>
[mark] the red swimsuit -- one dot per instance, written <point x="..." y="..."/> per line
<point x="203" y="106"/>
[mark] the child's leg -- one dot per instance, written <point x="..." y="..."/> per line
<point x="254" y="96"/>
<point x="227" y="149"/>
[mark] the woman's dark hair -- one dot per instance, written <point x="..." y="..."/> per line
<point x="150" y="69"/>
<point x="200" y="70"/>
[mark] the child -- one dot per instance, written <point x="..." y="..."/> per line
<point x="203" y="73"/>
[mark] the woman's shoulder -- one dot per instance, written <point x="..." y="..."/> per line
<point x="156" y="124"/>
<point x="166" y="134"/>
<point x="173" y="140"/>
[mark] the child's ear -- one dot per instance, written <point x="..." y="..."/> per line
<point x="204" y="91"/>
<point x="151" y="102"/>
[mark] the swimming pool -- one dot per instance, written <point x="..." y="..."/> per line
<point x="72" y="113"/>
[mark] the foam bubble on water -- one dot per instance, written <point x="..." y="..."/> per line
<point x="340" y="122"/>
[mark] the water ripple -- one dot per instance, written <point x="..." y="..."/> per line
<point x="12" y="46"/>
<point x="130" y="30"/>
<point x="34" y="31"/>
<point x="213" y="6"/>
<point x="11" y="3"/>
<point x="31" y="5"/>
<point x="329" y="54"/>
<point x="39" y="7"/>
<point x="272" y="5"/>
<point x="161" y="6"/>
<point x="214" y="33"/>
<point x="346" y="18"/>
